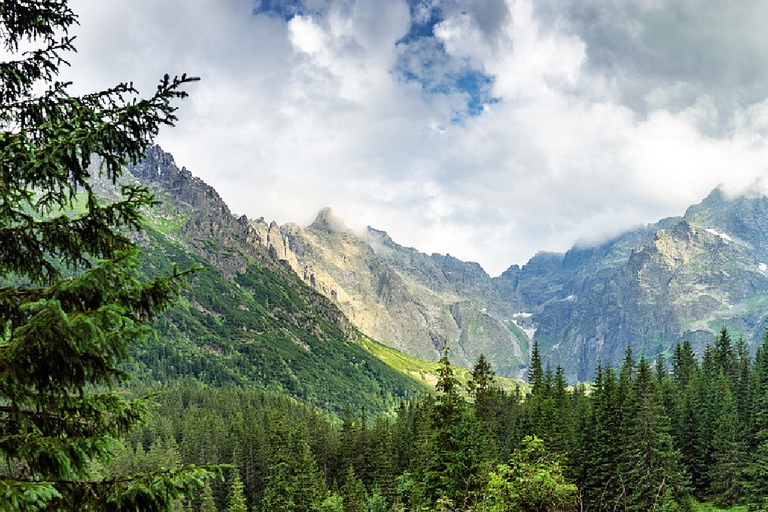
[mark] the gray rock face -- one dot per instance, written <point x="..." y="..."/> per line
<point x="208" y="226"/>
<point x="409" y="300"/>
<point x="682" y="278"/>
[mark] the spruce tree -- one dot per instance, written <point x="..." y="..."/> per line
<point x="757" y="471"/>
<point x="236" y="495"/>
<point x="684" y="364"/>
<point x="482" y="378"/>
<point x="606" y="457"/>
<point x="724" y="354"/>
<point x="70" y="305"/>
<point x="458" y="448"/>
<point x="353" y="493"/>
<point x="487" y="395"/>
<point x="729" y="457"/>
<point x="687" y="428"/>
<point x="536" y="371"/>
<point x="207" y="502"/>
<point x="654" y="477"/>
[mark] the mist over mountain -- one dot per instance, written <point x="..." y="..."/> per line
<point x="414" y="302"/>
<point x="679" y="278"/>
<point x="245" y="318"/>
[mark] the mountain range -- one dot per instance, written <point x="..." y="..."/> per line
<point x="680" y="278"/>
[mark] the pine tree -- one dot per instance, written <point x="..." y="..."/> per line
<point x="684" y="364"/>
<point x="293" y="481"/>
<point x="445" y="414"/>
<point x="562" y="426"/>
<point x="207" y="502"/>
<point x="687" y="426"/>
<point x="536" y="371"/>
<point x="353" y="493"/>
<point x="482" y="378"/>
<point x="70" y="306"/>
<point x="727" y="472"/>
<point x="724" y="354"/>
<point x="487" y="395"/>
<point x="457" y="449"/>
<point x="653" y="477"/>
<point x="605" y="450"/>
<point x="381" y="460"/>
<point x="758" y="466"/>
<point x="236" y="494"/>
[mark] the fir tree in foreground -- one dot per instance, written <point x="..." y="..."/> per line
<point x="70" y="306"/>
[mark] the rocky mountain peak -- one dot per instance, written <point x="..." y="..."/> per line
<point x="377" y="236"/>
<point x="327" y="222"/>
<point x="741" y="217"/>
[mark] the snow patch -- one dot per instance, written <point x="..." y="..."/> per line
<point x="522" y="321"/>
<point x="763" y="267"/>
<point x="721" y="235"/>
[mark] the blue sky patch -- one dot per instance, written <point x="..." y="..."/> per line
<point x="285" y="9"/>
<point x="423" y="59"/>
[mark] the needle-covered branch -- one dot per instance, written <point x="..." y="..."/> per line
<point x="71" y="305"/>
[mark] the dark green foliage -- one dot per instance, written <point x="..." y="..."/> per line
<point x="684" y="364"/>
<point x="207" y="502"/>
<point x="236" y="495"/>
<point x="605" y="446"/>
<point x="729" y="457"/>
<point x="655" y="476"/>
<point x="457" y="452"/>
<point x="481" y="382"/>
<point x="353" y="493"/>
<point x="536" y="371"/>
<point x="263" y="328"/>
<point x="70" y="303"/>
<point x="637" y="441"/>
<point x="533" y="481"/>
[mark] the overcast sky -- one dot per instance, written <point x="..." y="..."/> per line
<point x="487" y="129"/>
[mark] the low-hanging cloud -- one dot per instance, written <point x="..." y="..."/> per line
<point x="596" y="116"/>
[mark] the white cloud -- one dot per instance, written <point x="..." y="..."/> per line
<point x="293" y="116"/>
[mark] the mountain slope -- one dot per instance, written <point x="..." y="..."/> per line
<point x="682" y="278"/>
<point x="408" y="300"/>
<point x="246" y="318"/>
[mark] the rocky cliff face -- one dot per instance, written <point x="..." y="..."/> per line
<point x="195" y="213"/>
<point x="409" y="300"/>
<point x="682" y="278"/>
<point x="245" y="317"/>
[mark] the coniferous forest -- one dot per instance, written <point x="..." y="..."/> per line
<point x="650" y="435"/>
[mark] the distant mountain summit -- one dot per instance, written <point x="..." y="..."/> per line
<point x="682" y="278"/>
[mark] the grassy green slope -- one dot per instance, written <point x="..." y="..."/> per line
<point x="262" y="328"/>
<point x="426" y="371"/>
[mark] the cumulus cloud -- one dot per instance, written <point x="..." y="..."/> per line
<point x="486" y="129"/>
